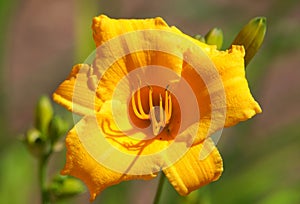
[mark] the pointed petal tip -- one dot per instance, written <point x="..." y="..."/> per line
<point x="159" y="21"/>
<point x="260" y="20"/>
<point x="92" y="196"/>
<point x="258" y="109"/>
<point x="98" y="18"/>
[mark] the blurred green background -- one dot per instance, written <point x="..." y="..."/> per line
<point x="40" y="41"/>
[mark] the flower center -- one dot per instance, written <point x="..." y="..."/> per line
<point x="160" y="115"/>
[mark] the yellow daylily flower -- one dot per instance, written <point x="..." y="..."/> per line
<point x="132" y="133"/>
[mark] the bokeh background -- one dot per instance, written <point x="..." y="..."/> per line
<point x="40" y="40"/>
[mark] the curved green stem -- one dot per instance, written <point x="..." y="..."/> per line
<point x="159" y="188"/>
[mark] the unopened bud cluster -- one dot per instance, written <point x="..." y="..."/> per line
<point x="48" y="128"/>
<point x="251" y="37"/>
<point x="41" y="141"/>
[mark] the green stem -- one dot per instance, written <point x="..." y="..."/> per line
<point x="42" y="179"/>
<point x="159" y="188"/>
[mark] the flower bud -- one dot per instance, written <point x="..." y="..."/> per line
<point x="35" y="142"/>
<point x="43" y="114"/>
<point x="251" y="37"/>
<point x="64" y="187"/>
<point x="200" y="38"/>
<point x="215" y="37"/>
<point x="57" y="128"/>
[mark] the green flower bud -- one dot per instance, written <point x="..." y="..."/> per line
<point x="251" y="37"/>
<point x="65" y="187"/>
<point x="200" y="38"/>
<point x="43" y="114"/>
<point x="215" y="37"/>
<point x="57" y="128"/>
<point x="34" y="142"/>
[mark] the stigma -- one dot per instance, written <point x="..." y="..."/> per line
<point x="159" y="116"/>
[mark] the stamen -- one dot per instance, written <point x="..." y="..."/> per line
<point x="140" y="111"/>
<point x="150" y="99"/>
<point x="161" y="110"/>
<point x="164" y="113"/>
<point x="134" y="107"/>
<point x="144" y="115"/>
<point x="166" y="105"/>
<point x="169" y="109"/>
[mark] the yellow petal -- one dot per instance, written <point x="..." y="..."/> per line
<point x="226" y="101"/>
<point x="240" y="104"/>
<point x="129" y="46"/>
<point x="208" y="90"/>
<point x="121" y="50"/>
<point x="148" y="60"/>
<point x="120" y="131"/>
<point x="190" y="173"/>
<point x="77" y="92"/>
<point x="82" y="165"/>
<point x="106" y="28"/>
<point x="112" y="140"/>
